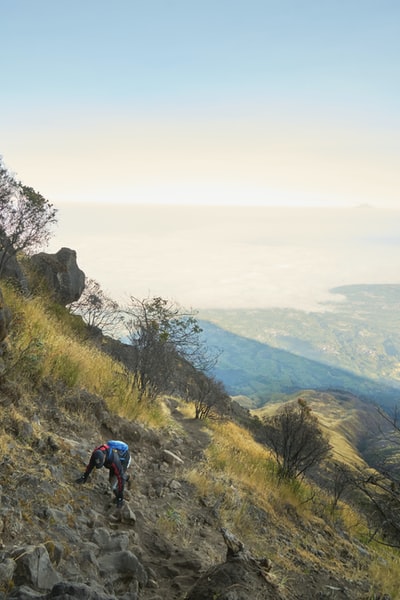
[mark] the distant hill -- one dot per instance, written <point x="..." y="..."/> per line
<point x="353" y="345"/>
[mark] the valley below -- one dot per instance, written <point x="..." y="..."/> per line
<point x="352" y="344"/>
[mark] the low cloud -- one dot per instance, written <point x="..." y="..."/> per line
<point x="234" y="257"/>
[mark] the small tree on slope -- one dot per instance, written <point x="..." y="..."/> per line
<point x="97" y="309"/>
<point x="295" y="437"/>
<point x="25" y="217"/>
<point x="163" y="333"/>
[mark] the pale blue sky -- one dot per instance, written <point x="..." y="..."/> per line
<point x="221" y="102"/>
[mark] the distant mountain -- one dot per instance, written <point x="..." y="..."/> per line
<point x="353" y="345"/>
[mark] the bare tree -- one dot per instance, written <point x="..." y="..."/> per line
<point x="296" y="439"/>
<point x="163" y="334"/>
<point x="97" y="309"/>
<point x="389" y="427"/>
<point x="209" y="396"/>
<point x="341" y="479"/>
<point x="25" y="218"/>
<point x="381" y="503"/>
<point x="380" y="486"/>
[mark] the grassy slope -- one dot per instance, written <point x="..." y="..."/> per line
<point x="345" y="419"/>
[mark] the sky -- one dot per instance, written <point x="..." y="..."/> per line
<point x="184" y="143"/>
<point x="218" y="102"/>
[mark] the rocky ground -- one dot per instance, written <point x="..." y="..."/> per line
<point x="60" y="540"/>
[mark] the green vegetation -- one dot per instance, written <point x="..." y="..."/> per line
<point x="46" y="344"/>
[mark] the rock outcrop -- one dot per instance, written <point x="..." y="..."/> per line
<point x="63" y="541"/>
<point x="61" y="273"/>
<point x="12" y="270"/>
<point x="240" y="577"/>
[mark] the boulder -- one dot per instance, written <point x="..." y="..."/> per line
<point x="61" y="591"/>
<point x="34" y="568"/>
<point x="81" y="591"/>
<point x="123" y="565"/>
<point x="63" y="276"/>
<point x="233" y="581"/>
<point x="7" y="568"/>
<point x="24" y="592"/>
<point x="108" y="542"/>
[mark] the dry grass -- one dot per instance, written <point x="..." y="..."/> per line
<point x="339" y="424"/>
<point x="236" y="480"/>
<point x="237" y="483"/>
<point x="234" y="452"/>
<point x="44" y="345"/>
<point x="173" y="521"/>
<point x="384" y="574"/>
<point x="186" y="409"/>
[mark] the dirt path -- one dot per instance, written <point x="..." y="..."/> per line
<point x="198" y="438"/>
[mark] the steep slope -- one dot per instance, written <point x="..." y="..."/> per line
<point x="168" y="534"/>
<point x="60" y="396"/>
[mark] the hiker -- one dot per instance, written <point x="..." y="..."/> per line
<point x="113" y="455"/>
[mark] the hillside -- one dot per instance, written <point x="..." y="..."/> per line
<point x="353" y="425"/>
<point x="62" y="396"/>
<point x="170" y="526"/>
<point x="350" y="344"/>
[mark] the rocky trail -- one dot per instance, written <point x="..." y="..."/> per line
<point x="60" y="540"/>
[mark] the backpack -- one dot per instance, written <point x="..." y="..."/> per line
<point x="121" y="448"/>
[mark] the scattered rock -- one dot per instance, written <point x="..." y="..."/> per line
<point x="171" y="458"/>
<point x="241" y="577"/>
<point x="122" y="565"/>
<point x="163" y="543"/>
<point x="33" y="567"/>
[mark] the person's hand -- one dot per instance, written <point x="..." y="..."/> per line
<point x="81" y="479"/>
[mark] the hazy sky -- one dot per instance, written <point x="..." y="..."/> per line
<point x="231" y="257"/>
<point x="215" y="101"/>
<point x="218" y="102"/>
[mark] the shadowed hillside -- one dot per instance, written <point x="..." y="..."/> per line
<point x="359" y="333"/>
<point x="263" y="373"/>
